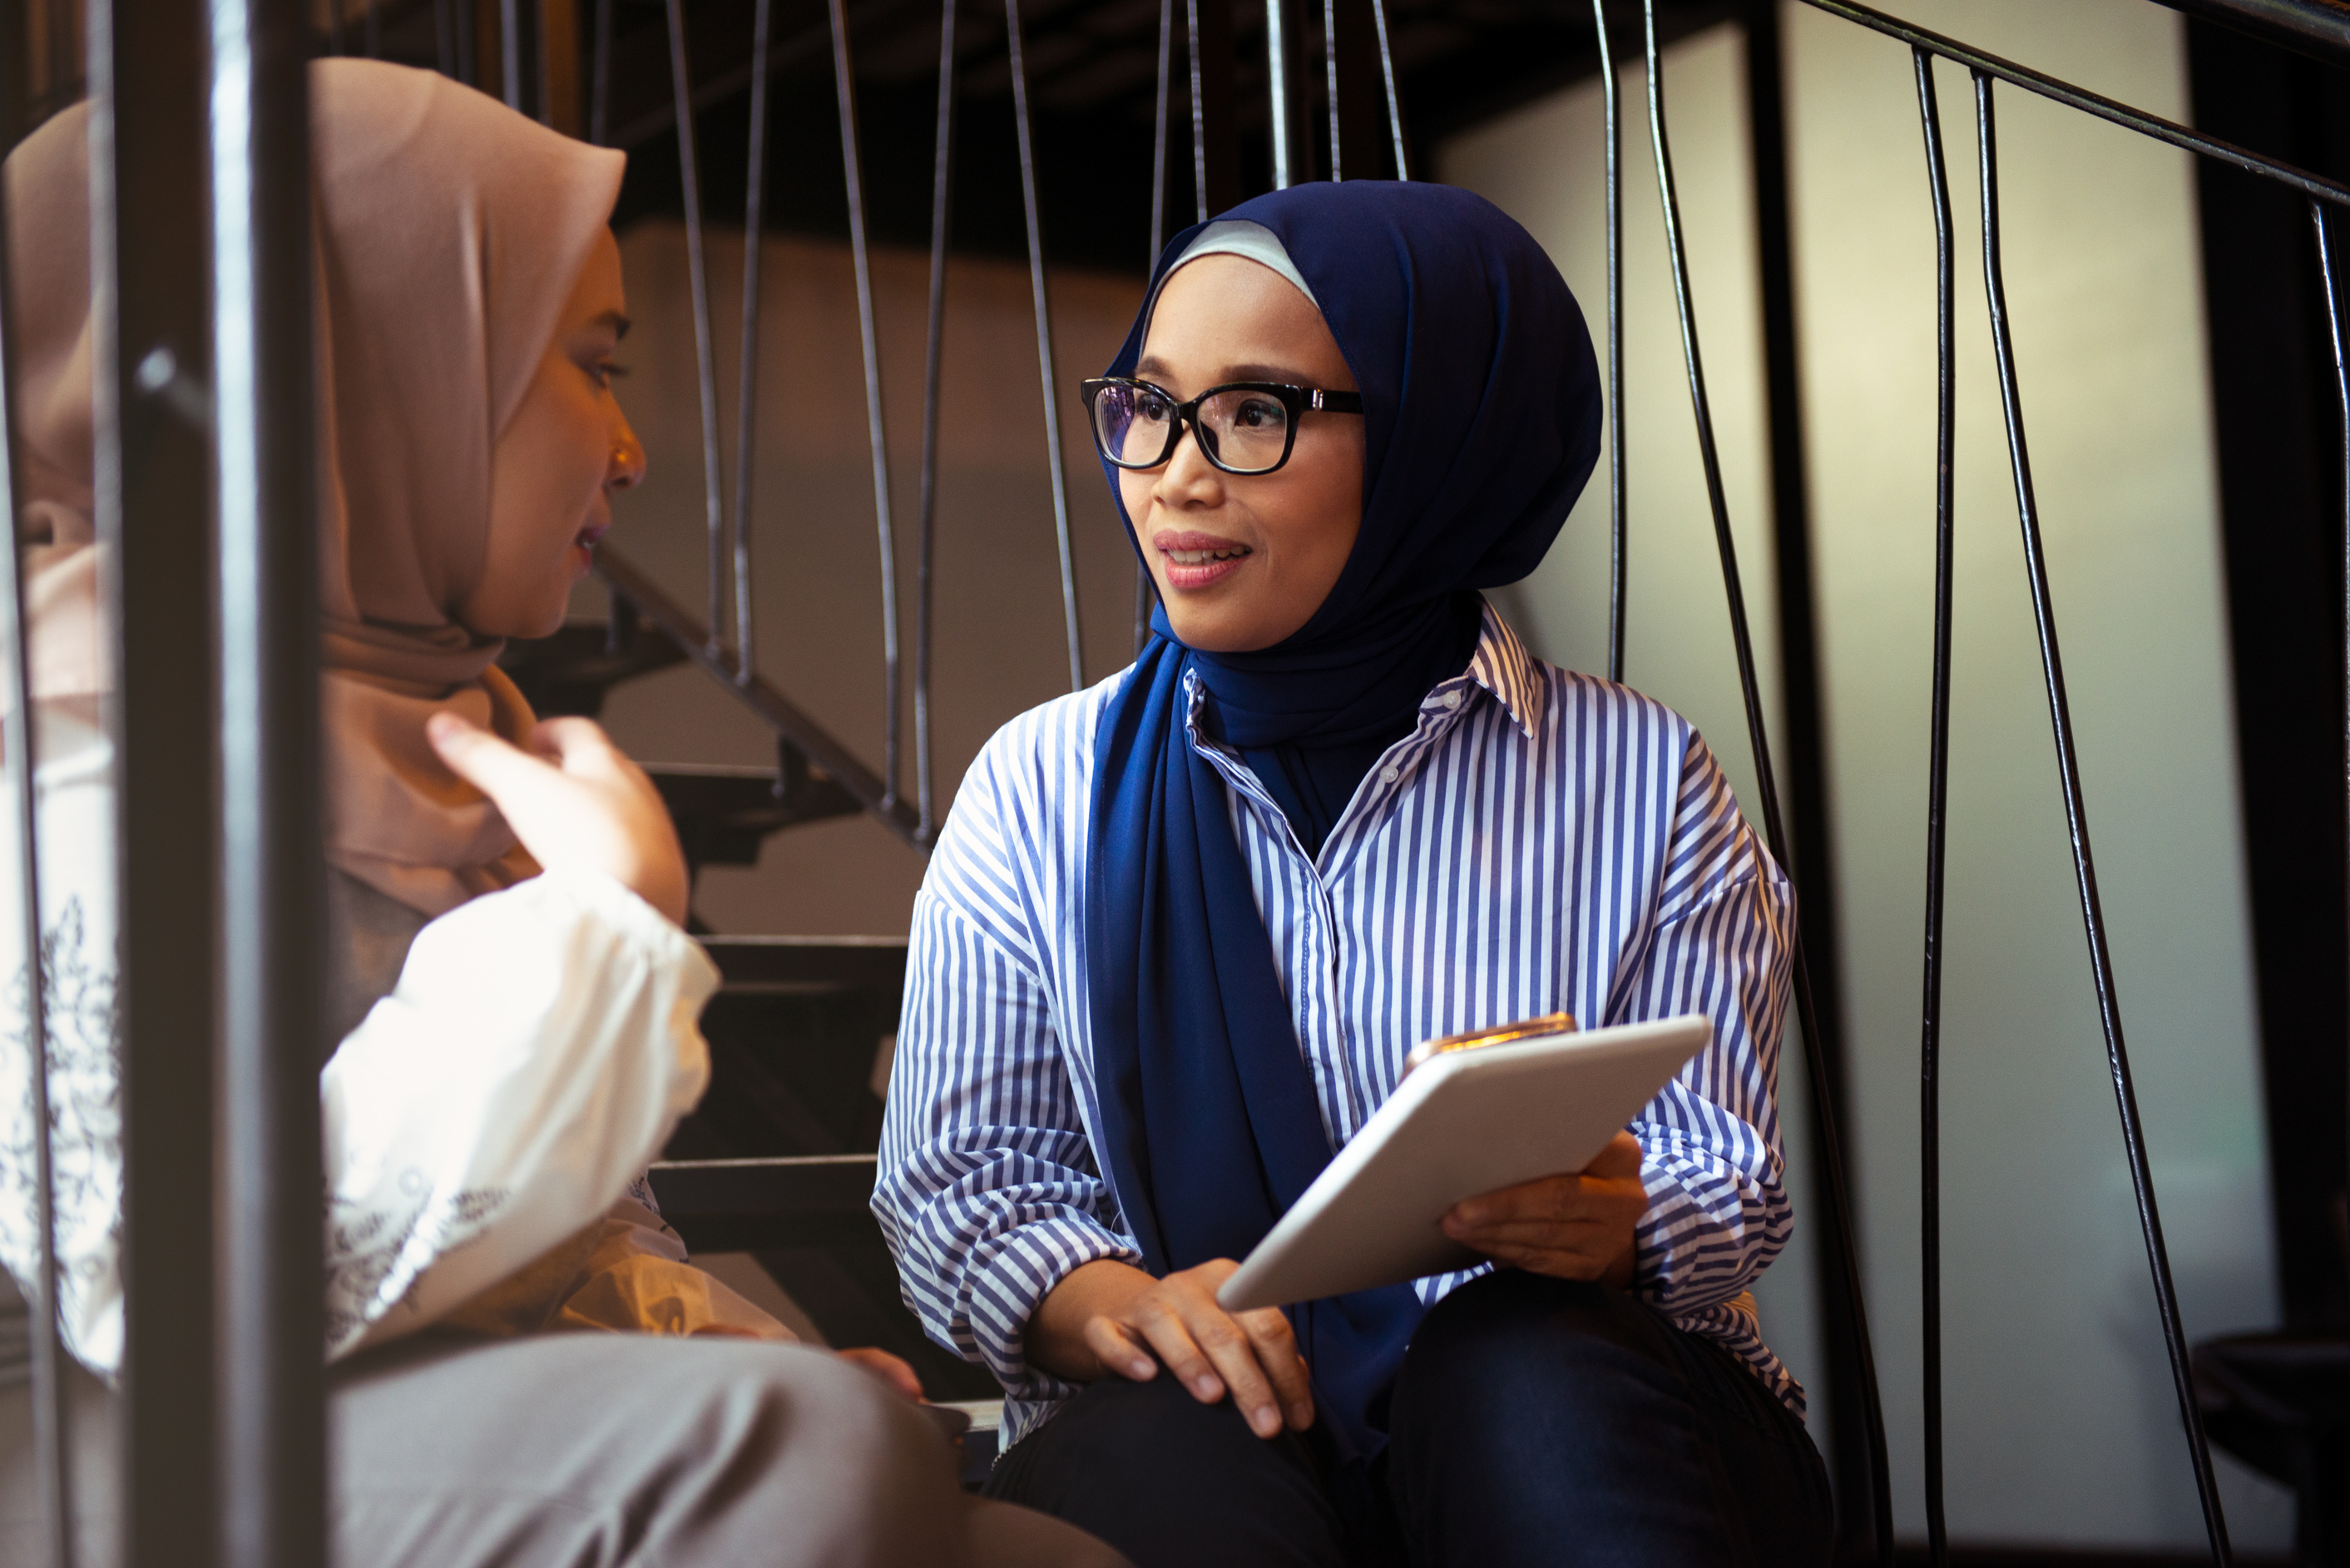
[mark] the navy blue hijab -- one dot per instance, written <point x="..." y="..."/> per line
<point x="1482" y="412"/>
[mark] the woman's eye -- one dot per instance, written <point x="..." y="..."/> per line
<point x="1258" y="414"/>
<point x="1152" y="408"/>
<point x="603" y="372"/>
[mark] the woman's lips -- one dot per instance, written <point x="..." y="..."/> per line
<point x="1194" y="561"/>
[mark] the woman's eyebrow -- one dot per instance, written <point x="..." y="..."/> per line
<point x="1281" y="374"/>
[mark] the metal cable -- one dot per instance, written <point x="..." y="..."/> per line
<point x="53" y="1478"/>
<point x="1330" y="78"/>
<point x="844" y="81"/>
<point x="1045" y="343"/>
<point x="1388" y="77"/>
<point x="600" y="90"/>
<point x="2077" y="819"/>
<point x="1276" y="86"/>
<point x="510" y="51"/>
<point x="2342" y="391"/>
<point x="1142" y="595"/>
<point x="1937" y="790"/>
<point x="698" y="281"/>
<point x="1767" y="788"/>
<point x="1198" y="115"/>
<point x="746" y="398"/>
<point x="1612" y="104"/>
<point x="934" y="338"/>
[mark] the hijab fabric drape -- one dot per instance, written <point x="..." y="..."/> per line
<point x="1481" y="410"/>
<point x="449" y="231"/>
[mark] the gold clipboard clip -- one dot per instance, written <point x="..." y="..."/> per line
<point x="1525" y="1029"/>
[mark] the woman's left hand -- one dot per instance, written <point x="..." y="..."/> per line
<point x="1571" y="1227"/>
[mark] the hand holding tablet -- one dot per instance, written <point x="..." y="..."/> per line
<point x="1463" y="1122"/>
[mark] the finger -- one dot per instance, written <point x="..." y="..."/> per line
<point x="1171" y="1342"/>
<point x="1234" y="1354"/>
<point x="1276" y="1353"/>
<point x="889" y="1368"/>
<point x="574" y="744"/>
<point x="1620" y="1159"/>
<point x="1547" y="1197"/>
<point x="483" y="760"/>
<point x="1564" y="1234"/>
<point x="1117" y="1348"/>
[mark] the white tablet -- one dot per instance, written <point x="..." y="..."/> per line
<point x="1461" y="1122"/>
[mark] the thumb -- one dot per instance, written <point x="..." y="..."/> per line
<point x="482" y="759"/>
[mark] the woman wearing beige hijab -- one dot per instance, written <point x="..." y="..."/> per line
<point x="514" y="1003"/>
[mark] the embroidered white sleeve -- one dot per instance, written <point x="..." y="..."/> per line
<point x="537" y="1051"/>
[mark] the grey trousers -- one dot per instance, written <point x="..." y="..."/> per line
<point x="581" y="1450"/>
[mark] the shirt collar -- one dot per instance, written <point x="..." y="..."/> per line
<point x="1500" y="665"/>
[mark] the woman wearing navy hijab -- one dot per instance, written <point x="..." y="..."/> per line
<point x="1182" y="929"/>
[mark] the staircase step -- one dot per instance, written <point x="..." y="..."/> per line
<point x="799" y="1035"/>
<point x="755" y="1205"/>
<point x="723" y="814"/>
<point x="570" y="672"/>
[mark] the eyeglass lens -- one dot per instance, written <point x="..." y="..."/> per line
<point x="1244" y="431"/>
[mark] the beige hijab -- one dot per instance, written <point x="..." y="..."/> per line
<point x="450" y="232"/>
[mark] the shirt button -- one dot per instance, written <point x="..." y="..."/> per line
<point x="1389" y="775"/>
<point x="1453" y="699"/>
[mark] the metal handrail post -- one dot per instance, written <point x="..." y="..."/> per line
<point x="746" y="399"/>
<point x="713" y="506"/>
<point x="1612" y="106"/>
<point x="1046" y="374"/>
<point x="1938" y="794"/>
<point x="1828" y="1143"/>
<point x="852" y="166"/>
<point x="272" y="1454"/>
<point x="933" y="347"/>
<point x="2077" y="821"/>
<point x="152" y="473"/>
<point x="1276" y="82"/>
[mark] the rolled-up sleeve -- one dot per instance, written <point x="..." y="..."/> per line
<point x="987" y="1189"/>
<point x="1719" y="945"/>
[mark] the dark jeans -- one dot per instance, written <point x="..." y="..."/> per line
<point x="1534" y="1421"/>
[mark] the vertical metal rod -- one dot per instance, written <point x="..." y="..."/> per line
<point x="1198" y="115"/>
<point x="714" y="504"/>
<point x="444" y="39"/>
<point x="1613" y="106"/>
<point x="1387" y="75"/>
<point x="600" y="101"/>
<point x="1158" y="134"/>
<point x="510" y="51"/>
<point x="271" y="1457"/>
<point x="2077" y="819"/>
<point x="852" y="162"/>
<point x="152" y="473"/>
<point x="933" y="348"/>
<point x="1045" y="344"/>
<point x="52" y="1478"/>
<point x="1330" y="76"/>
<point x="1276" y="83"/>
<point x="2342" y="392"/>
<point x="1159" y="128"/>
<point x="1937" y="790"/>
<point x="746" y="399"/>
<point x="1767" y="788"/>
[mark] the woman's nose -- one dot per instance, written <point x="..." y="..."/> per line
<point x="626" y="466"/>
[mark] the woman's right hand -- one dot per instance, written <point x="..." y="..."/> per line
<point x="575" y="801"/>
<point x="1109" y="1318"/>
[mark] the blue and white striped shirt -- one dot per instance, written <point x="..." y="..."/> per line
<point x="1541" y="842"/>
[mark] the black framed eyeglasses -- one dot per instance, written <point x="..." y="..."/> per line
<point x="1243" y="427"/>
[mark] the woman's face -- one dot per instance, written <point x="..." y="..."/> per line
<point x="1242" y="561"/>
<point x="556" y="466"/>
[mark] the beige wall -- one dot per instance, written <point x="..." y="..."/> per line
<point x="2061" y="1426"/>
<point x="999" y="647"/>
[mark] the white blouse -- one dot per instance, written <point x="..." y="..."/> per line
<point x="537" y="1050"/>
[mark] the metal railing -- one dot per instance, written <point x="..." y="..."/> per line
<point x="204" y="476"/>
